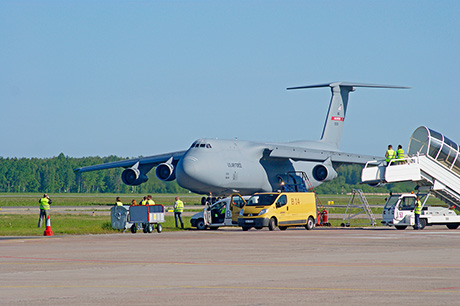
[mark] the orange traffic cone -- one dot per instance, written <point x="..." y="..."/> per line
<point x="48" y="231"/>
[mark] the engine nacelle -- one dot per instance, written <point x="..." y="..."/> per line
<point x="133" y="177"/>
<point x="324" y="173"/>
<point x="165" y="172"/>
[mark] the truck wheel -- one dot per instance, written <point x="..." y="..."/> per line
<point x="310" y="223"/>
<point x="259" y="227"/>
<point x="283" y="228"/>
<point x="272" y="224"/>
<point x="245" y="228"/>
<point x="200" y="224"/>
<point x="134" y="228"/>
<point x="203" y="201"/>
<point x="159" y="228"/>
<point x="149" y="228"/>
<point x="213" y="228"/>
<point x="400" y="227"/>
<point x="453" y="225"/>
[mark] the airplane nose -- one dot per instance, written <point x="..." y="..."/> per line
<point x="188" y="172"/>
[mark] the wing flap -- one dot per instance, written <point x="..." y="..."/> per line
<point x="304" y="154"/>
<point x="149" y="160"/>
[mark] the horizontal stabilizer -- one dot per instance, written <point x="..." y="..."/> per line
<point x="348" y="84"/>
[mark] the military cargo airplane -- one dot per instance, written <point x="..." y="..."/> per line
<point x="222" y="167"/>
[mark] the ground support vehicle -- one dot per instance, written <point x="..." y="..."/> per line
<point x="279" y="209"/>
<point x="222" y="213"/>
<point x="119" y="217"/>
<point x="150" y="216"/>
<point x="399" y="212"/>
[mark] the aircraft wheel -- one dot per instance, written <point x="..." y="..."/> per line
<point x="453" y="226"/>
<point x="213" y="228"/>
<point x="400" y="227"/>
<point x="245" y="228"/>
<point x="272" y="224"/>
<point x="259" y="227"/>
<point x="342" y="224"/>
<point x="310" y="223"/>
<point x="200" y="224"/>
<point x="159" y="228"/>
<point x="283" y="228"/>
<point x="134" y="228"/>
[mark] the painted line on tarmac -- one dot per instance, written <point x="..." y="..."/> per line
<point x="436" y="290"/>
<point x="76" y="261"/>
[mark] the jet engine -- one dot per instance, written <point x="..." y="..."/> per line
<point x="165" y="172"/>
<point x="133" y="176"/>
<point x="324" y="173"/>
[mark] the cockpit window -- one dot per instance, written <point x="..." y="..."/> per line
<point x="201" y="144"/>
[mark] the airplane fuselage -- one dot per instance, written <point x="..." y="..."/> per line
<point x="225" y="166"/>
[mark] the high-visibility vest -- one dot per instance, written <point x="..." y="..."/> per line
<point x="400" y="154"/>
<point x="119" y="203"/>
<point x="418" y="207"/>
<point x="179" y="206"/>
<point x="390" y="155"/>
<point x="150" y="202"/>
<point x="143" y="202"/>
<point x="44" y="203"/>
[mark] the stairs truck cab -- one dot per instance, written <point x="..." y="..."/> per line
<point x="399" y="212"/>
<point x="283" y="209"/>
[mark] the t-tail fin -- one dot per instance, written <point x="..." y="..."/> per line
<point x="332" y="131"/>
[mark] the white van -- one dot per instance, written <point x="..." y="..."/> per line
<point x="222" y="213"/>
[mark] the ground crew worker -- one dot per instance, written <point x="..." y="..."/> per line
<point x="44" y="209"/>
<point x="143" y="201"/>
<point x="400" y="155"/>
<point x="118" y="203"/>
<point x="178" y="210"/>
<point x="417" y="212"/>
<point x="390" y="154"/>
<point x="149" y="200"/>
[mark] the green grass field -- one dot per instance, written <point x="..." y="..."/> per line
<point x="78" y="224"/>
<point x="68" y="224"/>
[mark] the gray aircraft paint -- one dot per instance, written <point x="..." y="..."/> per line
<point x="222" y="167"/>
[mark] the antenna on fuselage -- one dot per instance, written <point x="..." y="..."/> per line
<point x="332" y="131"/>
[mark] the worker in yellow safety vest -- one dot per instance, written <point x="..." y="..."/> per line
<point x="44" y="209"/>
<point x="400" y="155"/>
<point x="118" y="203"/>
<point x="149" y="200"/>
<point x="143" y="201"/>
<point x="390" y="154"/>
<point x="417" y="212"/>
<point x="178" y="210"/>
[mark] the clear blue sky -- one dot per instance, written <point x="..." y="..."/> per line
<point x="133" y="78"/>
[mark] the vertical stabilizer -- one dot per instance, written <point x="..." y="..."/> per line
<point x="332" y="131"/>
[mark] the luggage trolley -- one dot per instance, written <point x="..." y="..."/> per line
<point x="149" y="215"/>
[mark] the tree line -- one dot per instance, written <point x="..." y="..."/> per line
<point x="55" y="175"/>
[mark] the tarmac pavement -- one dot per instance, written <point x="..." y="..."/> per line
<point x="327" y="266"/>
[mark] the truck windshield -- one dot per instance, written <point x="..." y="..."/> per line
<point x="262" y="200"/>
<point x="392" y="202"/>
<point x="407" y="203"/>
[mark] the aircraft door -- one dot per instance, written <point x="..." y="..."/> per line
<point x="236" y="204"/>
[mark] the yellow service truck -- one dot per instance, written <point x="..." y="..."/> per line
<point x="283" y="209"/>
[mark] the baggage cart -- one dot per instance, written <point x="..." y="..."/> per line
<point x="150" y="216"/>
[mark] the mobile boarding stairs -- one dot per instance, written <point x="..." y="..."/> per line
<point x="433" y="163"/>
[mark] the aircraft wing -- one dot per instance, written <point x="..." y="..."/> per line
<point x="304" y="154"/>
<point x="149" y="160"/>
